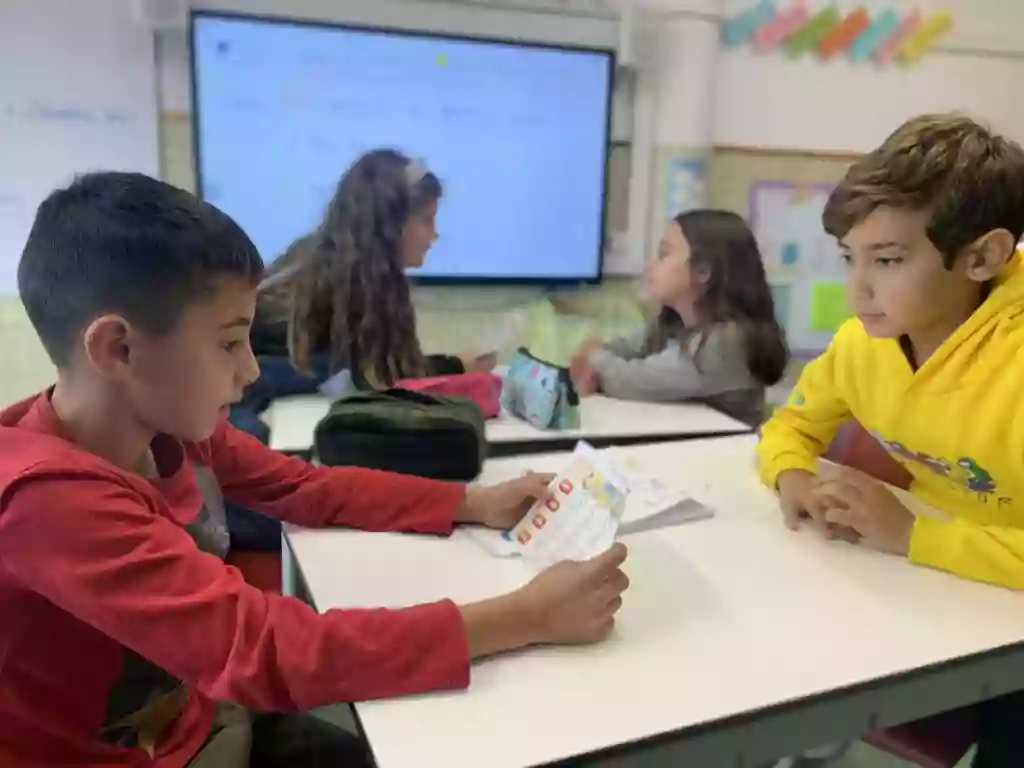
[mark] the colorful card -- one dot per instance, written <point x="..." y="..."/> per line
<point x="594" y="503"/>
<point x="581" y="519"/>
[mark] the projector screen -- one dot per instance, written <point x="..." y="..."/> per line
<point x="517" y="133"/>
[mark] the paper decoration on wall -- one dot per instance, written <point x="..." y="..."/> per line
<point x="844" y="33"/>
<point x="829" y="309"/>
<point x="808" y="36"/>
<point x="888" y="48"/>
<point x="924" y="37"/>
<point x="802" y="261"/>
<point x="880" y="30"/>
<point x="884" y="37"/>
<point x="685" y="184"/>
<point x="781" y="27"/>
<point x="786" y="219"/>
<point x="739" y="29"/>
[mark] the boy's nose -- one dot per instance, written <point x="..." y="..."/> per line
<point x="250" y="368"/>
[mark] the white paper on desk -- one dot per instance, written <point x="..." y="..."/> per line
<point x="496" y="543"/>
<point x="652" y="504"/>
<point x="684" y="511"/>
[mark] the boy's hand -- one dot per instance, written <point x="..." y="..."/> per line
<point x="798" y="500"/>
<point x="865" y="505"/>
<point x="569" y="603"/>
<point x="502" y="506"/>
<point x="574" y="602"/>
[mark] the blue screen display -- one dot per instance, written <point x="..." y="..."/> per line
<point x="517" y="133"/>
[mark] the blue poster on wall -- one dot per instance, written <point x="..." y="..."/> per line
<point x="685" y="184"/>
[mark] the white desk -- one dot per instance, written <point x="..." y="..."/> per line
<point x="292" y="420"/>
<point x="739" y="641"/>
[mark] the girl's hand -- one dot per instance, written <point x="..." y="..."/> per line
<point x="584" y="378"/>
<point x="587" y="385"/>
<point x="590" y="345"/>
<point x="474" y="362"/>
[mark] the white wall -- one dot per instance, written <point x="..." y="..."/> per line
<point x="459" y="18"/>
<point x="772" y="101"/>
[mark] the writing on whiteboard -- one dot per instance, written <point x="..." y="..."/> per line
<point x="41" y="112"/>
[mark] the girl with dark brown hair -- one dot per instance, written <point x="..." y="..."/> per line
<point x="715" y="338"/>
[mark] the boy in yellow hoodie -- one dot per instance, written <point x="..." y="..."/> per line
<point x="932" y="365"/>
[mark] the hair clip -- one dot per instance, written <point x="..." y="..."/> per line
<point x="279" y="277"/>
<point x="415" y="170"/>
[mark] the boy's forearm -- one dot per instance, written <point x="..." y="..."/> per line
<point x="990" y="554"/>
<point x="497" y="625"/>
<point x="784" y="446"/>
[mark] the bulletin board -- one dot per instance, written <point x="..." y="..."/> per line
<point x="801" y="259"/>
<point x="783" y="194"/>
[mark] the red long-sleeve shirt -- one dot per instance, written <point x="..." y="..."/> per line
<point x="96" y="567"/>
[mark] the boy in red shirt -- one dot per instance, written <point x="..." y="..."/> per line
<point x="121" y="629"/>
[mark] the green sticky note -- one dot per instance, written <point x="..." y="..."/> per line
<point x="828" y="307"/>
<point x="810" y="34"/>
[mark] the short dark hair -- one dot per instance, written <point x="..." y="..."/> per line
<point x="129" y="244"/>
<point x="970" y="179"/>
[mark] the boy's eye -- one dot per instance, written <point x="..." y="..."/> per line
<point x="888" y="261"/>
<point x="231" y="346"/>
<point x="847" y="258"/>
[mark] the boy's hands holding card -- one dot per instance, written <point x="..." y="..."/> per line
<point x="502" y="506"/>
<point x="576" y="602"/>
<point x="567" y="604"/>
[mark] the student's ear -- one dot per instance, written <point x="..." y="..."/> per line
<point x="108" y="344"/>
<point x="701" y="275"/>
<point x="987" y="255"/>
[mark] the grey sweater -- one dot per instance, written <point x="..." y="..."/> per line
<point x="714" y="372"/>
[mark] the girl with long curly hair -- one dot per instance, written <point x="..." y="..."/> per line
<point x="339" y="299"/>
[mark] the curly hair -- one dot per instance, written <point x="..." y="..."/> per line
<point x="736" y="291"/>
<point x="970" y="179"/>
<point x="350" y="298"/>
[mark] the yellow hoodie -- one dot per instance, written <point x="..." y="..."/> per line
<point x="956" y="424"/>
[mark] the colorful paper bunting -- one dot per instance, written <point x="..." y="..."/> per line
<point x="811" y="33"/>
<point x="884" y="37"/>
<point x="781" y="27"/>
<point x="881" y="28"/>
<point x="739" y="29"/>
<point x="930" y="30"/>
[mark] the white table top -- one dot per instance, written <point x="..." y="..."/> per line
<point x="293" y="419"/>
<point x="724" y="616"/>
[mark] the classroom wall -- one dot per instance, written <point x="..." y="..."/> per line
<point x="752" y="117"/>
<point x="838" y="106"/>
